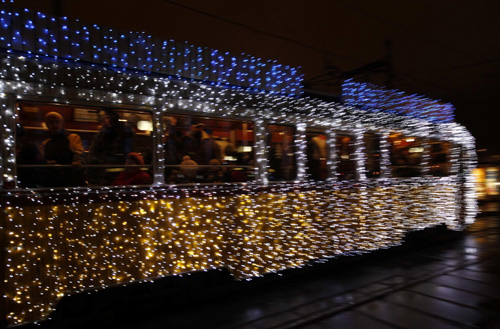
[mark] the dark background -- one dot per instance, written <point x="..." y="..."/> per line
<point x="447" y="50"/>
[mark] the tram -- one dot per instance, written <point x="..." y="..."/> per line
<point x="252" y="179"/>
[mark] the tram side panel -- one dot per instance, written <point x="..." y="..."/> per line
<point x="59" y="249"/>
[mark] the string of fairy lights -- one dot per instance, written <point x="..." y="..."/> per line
<point x="369" y="96"/>
<point x="252" y="232"/>
<point x="66" y="241"/>
<point x="70" y="39"/>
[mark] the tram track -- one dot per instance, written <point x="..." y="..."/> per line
<point x="330" y="306"/>
<point x="327" y="307"/>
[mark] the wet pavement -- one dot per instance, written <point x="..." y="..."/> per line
<point x="443" y="280"/>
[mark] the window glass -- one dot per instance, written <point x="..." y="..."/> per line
<point x="64" y="146"/>
<point x="346" y="166"/>
<point x="282" y="162"/>
<point x="406" y="155"/>
<point x="372" y="150"/>
<point x="439" y="158"/>
<point x="317" y="155"/>
<point x="207" y="150"/>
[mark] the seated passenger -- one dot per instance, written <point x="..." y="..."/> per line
<point x="215" y="173"/>
<point x="62" y="148"/>
<point x="189" y="170"/>
<point x="133" y="175"/>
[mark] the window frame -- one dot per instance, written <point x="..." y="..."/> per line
<point x="353" y="160"/>
<point x="203" y="116"/>
<point x="325" y="131"/>
<point x="90" y="105"/>
<point x="366" y="155"/>
<point x="448" y="153"/>
<point x="421" y="167"/>
<point x="296" y="145"/>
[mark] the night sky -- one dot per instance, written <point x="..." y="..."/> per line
<point x="447" y="50"/>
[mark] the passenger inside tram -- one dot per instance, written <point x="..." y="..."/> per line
<point x="199" y="144"/>
<point x="188" y="170"/>
<point x="133" y="175"/>
<point x="109" y="146"/>
<point x="171" y="147"/>
<point x="215" y="173"/>
<point x="61" y="148"/>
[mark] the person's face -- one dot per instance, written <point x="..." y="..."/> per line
<point x="54" y="125"/>
<point x="130" y="161"/>
<point x="108" y="121"/>
<point x="197" y="131"/>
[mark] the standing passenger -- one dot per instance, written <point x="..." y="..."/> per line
<point x="171" y="147"/>
<point x="199" y="145"/>
<point x="110" y="146"/>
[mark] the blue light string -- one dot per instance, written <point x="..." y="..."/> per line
<point x="60" y="37"/>
<point x="374" y="98"/>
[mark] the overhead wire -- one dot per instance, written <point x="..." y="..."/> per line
<point x="260" y="31"/>
<point x="417" y="35"/>
<point x="351" y="7"/>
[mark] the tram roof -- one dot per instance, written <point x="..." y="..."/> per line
<point x="36" y="34"/>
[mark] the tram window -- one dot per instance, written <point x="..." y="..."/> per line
<point x="282" y="162"/>
<point x="406" y="155"/>
<point x="372" y="150"/>
<point x="207" y="150"/>
<point x="346" y="166"/>
<point x="317" y="155"/>
<point x="66" y="146"/>
<point x="439" y="158"/>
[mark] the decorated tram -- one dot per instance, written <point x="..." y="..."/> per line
<point x="126" y="158"/>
